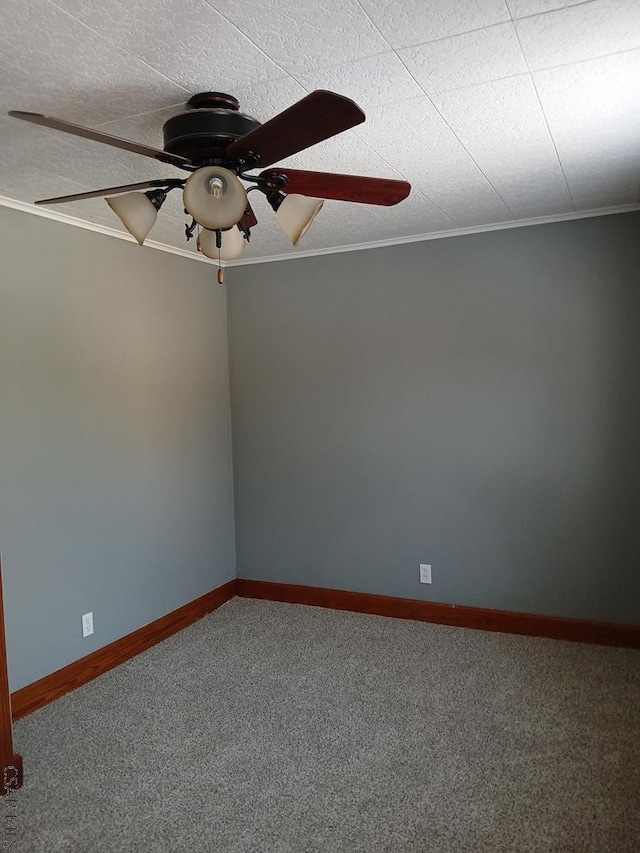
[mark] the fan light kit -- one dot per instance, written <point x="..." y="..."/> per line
<point x="219" y="146"/>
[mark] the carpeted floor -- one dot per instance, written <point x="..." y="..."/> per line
<point x="275" y="728"/>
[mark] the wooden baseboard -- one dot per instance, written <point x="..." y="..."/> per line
<point x="45" y="690"/>
<point x="504" y="621"/>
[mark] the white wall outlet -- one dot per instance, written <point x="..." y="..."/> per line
<point x="425" y="573"/>
<point x="87" y="624"/>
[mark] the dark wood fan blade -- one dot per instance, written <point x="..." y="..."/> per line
<point x="341" y="187"/>
<point x="315" y="118"/>
<point x="106" y="138"/>
<point x="249" y="218"/>
<point x="125" y="188"/>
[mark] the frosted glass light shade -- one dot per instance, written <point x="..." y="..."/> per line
<point x="296" y="213"/>
<point x="214" y="197"/>
<point x="136" y="212"/>
<point x="233" y="244"/>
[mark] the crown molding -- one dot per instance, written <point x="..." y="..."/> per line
<point x="27" y="207"/>
<point x="440" y="235"/>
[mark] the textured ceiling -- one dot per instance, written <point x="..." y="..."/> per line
<point x="494" y="110"/>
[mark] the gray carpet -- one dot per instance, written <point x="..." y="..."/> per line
<point x="287" y="729"/>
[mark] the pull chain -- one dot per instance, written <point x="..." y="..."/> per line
<point x="219" y="246"/>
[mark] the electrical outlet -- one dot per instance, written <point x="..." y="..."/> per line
<point x="87" y="624"/>
<point x="425" y="573"/>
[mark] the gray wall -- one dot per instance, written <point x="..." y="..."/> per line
<point x="115" y="455"/>
<point x="472" y="403"/>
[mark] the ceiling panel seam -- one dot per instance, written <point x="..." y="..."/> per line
<point x="581" y="61"/>
<point x="547" y="11"/>
<point x="455" y="135"/>
<point x="544" y="115"/>
<point x="113" y="43"/>
<point x="395" y="47"/>
<point x="414" y="190"/>
<point x="178" y="107"/>
<point x="251" y="41"/>
<point x="373" y="23"/>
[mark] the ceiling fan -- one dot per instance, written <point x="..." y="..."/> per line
<point x="219" y="146"/>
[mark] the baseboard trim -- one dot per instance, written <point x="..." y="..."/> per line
<point x="45" y="690"/>
<point x="57" y="684"/>
<point x="503" y="621"/>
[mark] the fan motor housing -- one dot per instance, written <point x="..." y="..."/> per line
<point x="210" y="123"/>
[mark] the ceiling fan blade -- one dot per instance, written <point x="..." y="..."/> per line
<point x="341" y="187"/>
<point x="125" y="188"/>
<point x="316" y="117"/>
<point x="106" y="138"/>
<point x="249" y="218"/>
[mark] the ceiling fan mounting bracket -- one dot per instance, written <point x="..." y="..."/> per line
<point x="213" y="100"/>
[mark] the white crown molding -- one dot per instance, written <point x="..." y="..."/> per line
<point x="46" y="213"/>
<point x="27" y="207"/>
<point x="439" y="235"/>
